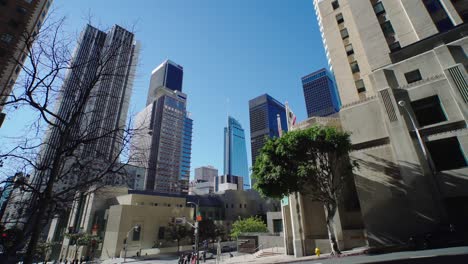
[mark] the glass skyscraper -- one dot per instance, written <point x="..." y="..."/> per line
<point x="163" y="140"/>
<point x="320" y="93"/>
<point x="264" y="111"/>
<point x="168" y="75"/>
<point x="235" y="152"/>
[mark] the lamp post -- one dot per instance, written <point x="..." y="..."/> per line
<point x="136" y="228"/>
<point x="435" y="183"/>
<point x="196" y="230"/>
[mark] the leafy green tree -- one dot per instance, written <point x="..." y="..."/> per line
<point x="313" y="162"/>
<point x="249" y="225"/>
<point x="178" y="232"/>
<point x="82" y="239"/>
<point x="210" y="231"/>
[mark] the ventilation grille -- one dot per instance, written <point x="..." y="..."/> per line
<point x="460" y="82"/>
<point x="389" y="106"/>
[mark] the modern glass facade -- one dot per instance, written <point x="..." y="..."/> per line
<point x="169" y="75"/>
<point x="263" y="111"/>
<point x="320" y="93"/>
<point x="235" y="152"/>
<point x="171" y="142"/>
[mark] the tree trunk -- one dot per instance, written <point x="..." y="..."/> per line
<point x="36" y="231"/>
<point x="331" y="235"/>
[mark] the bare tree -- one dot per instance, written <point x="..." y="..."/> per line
<point x="81" y="101"/>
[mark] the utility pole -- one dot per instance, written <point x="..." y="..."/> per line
<point x="196" y="229"/>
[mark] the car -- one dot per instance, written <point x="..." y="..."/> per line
<point x="208" y="254"/>
<point x="226" y="249"/>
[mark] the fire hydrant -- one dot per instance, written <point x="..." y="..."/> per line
<point x="317" y="251"/>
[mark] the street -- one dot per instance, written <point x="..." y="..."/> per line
<point x="445" y="255"/>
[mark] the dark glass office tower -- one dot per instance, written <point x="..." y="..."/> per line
<point x="163" y="141"/>
<point x="105" y="109"/>
<point x="169" y="75"/>
<point x="235" y="152"/>
<point x="320" y="93"/>
<point x="264" y="111"/>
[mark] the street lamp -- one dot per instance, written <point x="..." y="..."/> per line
<point x="196" y="230"/>
<point x="402" y="104"/>
<point x="136" y="228"/>
<point x="435" y="184"/>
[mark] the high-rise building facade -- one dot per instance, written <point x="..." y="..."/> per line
<point x="206" y="173"/>
<point x="105" y="101"/>
<point x="263" y="112"/>
<point x="235" y="152"/>
<point x="320" y="94"/>
<point x="169" y="75"/>
<point x="368" y="33"/>
<point x="404" y="98"/>
<point x="20" y="22"/>
<point x="163" y="140"/>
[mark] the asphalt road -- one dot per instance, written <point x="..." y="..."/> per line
<point x="436" y="256"/>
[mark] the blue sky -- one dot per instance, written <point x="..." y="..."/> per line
<point x="231" y="51"/>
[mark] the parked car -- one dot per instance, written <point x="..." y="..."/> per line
<point x="208" y="254"/>
<point x="226" y="249"/>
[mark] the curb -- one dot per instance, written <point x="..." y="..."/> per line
<point x="322" y="258"/>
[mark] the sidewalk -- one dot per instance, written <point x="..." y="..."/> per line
<point x="288" y="258"/>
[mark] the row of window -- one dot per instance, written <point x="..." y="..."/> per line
<point x="349" y="51"/>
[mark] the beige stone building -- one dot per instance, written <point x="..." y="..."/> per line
<point x="20" y="22"/>
<point x="305" y="226"/>
<point x="401" y="70"/>
<point x="111" y="214"/>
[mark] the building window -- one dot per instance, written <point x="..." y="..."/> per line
<point x="335" y="4"/>
<point x="413" y="76"/>
<point x="339" y="18"/>
<point x="227" y="205"/>
<point x="379" y="9"/>
<point x="277" y="225"/>
<point x="161" y="232"/>
<point x="232" y="205"/>
<point x="344" y="33"/>
<point x="462" y="8"/>
<point x="394" y="46"/>
<point x="428" y="111"/>
<point x="240" y="205"/>
<point x="354" y="66"/>
<point x="21" y="10"/>
<point x="7" y="38"/>
<point x="438" y="14"/>
<point x="360" y="86"/>
<point x="245" y="205"/>
<point x="349" y="49"/>
<point x="387" y="28"/>
<point x="446" y="154"/>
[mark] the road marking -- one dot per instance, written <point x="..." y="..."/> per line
<point x="430" y="256"/>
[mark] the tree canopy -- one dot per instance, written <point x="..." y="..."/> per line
<point x="248" y="225"/>
<point x="313" y="162"/>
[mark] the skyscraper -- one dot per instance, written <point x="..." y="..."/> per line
<point x="105" y="104"/>
<point x="403" y="92"/>
<point x="163" y="140"/>
<point x="368" y="34"/>
<point x="320" y="93"/>
<point x="20" y="22"/>
<point x="235" y="152"/>
<point x="169" y="75"/>
<point x="264" y="111"/>
<point x="206" y="173"/>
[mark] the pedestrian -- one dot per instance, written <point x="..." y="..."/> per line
<point x="60" y="260"/>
